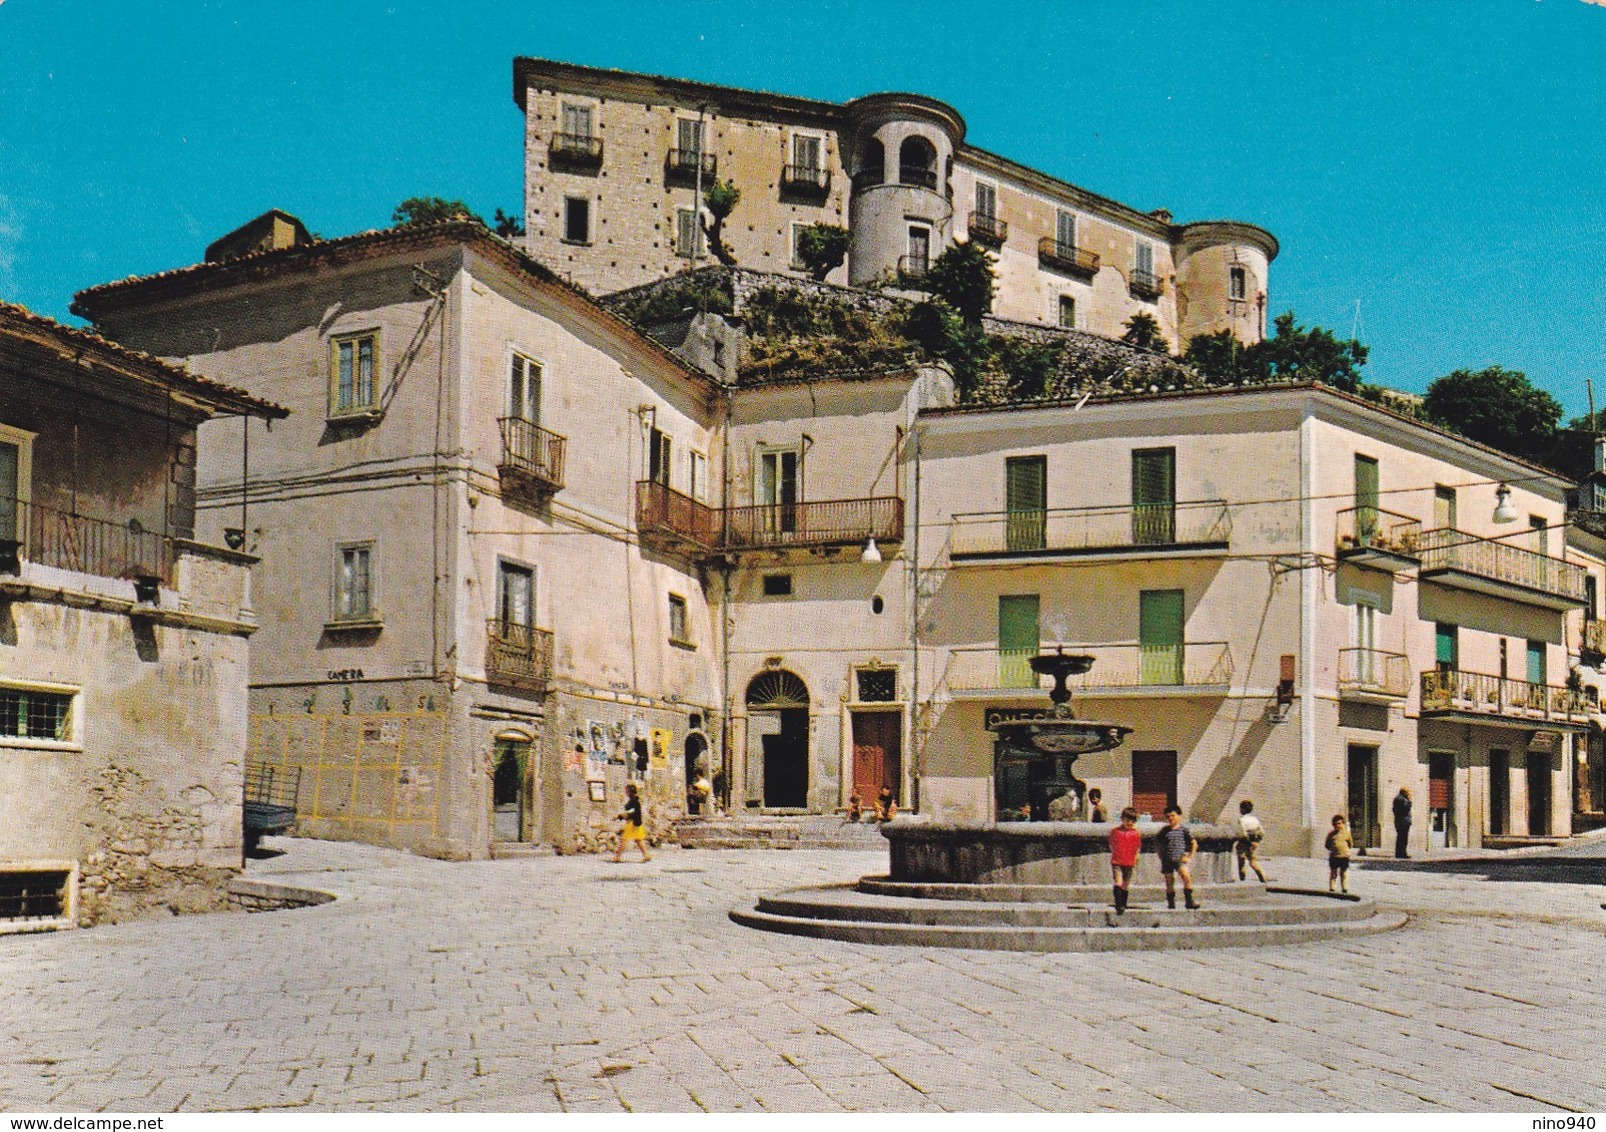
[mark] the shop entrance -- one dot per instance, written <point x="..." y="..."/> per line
<point x="778" y="741"/>
<point x="1364" y="826"/>
<point x="1539" y="772"/>
<point x="1441" y="799"/>
<point x="511" y="760"/>
<point x="1499" y="792"/>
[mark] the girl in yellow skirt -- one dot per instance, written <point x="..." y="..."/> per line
<point x="635" y="829"/>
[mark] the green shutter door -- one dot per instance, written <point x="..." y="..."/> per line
<point x="10" y="465"/>
<point x="1160" y="645"/>
<point x="1365" y="499"/>
<point x="1154" y="496"/>
<point x="1026" y="501"/>
<point x="1017" y="640"/>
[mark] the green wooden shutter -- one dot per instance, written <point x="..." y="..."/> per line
<point x="1017" y="640"/>
<point x="1026" y="501"/>
<point x="1154" y="496"/>
<point x="1160" y="645"/>
<point x="10" y="490"/>
<point x="1446" y="650"/>
<point x="1365" y="499"/>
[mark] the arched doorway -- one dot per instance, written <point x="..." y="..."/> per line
<point x="778" y="741"/>
<point x="510" y="767"/>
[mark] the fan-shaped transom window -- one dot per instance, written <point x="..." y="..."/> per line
<point x="779" y="689"/>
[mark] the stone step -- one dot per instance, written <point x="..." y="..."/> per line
<point x="1130" y="935"/>
<point x="1050" y="893"/>
<point x="518" y="850"/>
<point x="848" y="904"/>
<point x="823" y="831"/>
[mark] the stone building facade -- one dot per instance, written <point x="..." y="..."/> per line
<point x="614" y="161"/>
<point x="123" y="638"/>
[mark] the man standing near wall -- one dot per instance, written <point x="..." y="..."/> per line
<point x="1402" y="823"/>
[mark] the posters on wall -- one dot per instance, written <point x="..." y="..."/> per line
<point x="596" y="751"/>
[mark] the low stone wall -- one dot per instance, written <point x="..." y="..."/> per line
<point x="1052" y="853"/>
<point x="254" y="895"/>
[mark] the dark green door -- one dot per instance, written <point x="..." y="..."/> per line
<point x="1365" y="499"/>
<point x="1160" y="646"/>
<point x="1017" y="640"/>
<point x="10" y="490"/>
<point x="1025" y="502"/>
<point x="1154" y="496"/>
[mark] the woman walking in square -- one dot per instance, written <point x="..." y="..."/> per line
<point x="635" y="827"/>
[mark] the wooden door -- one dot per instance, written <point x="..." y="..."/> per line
<point x="1154" y="496"/>
<point x="1018" y="639"/>
<point x="1160" y="644"/>
<point x="1025" y="502"/>
<point x="1154" y="782"/>
<point x="1364" y="825"/>
<point x="1539" y="772"/>
<point x="1499" y="791"/>
<point x="877" y="753"/>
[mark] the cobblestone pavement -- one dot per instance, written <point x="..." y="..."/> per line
<point x="576" y="984"/>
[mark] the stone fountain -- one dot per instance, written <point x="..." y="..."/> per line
<point x="1042" y="884"/>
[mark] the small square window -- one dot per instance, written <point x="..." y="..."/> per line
<point x="679" y="631"/>
<point x="877" y="685"/>
<point x="354" y="359"/>
<point x="26" y="713"/>
<point x="354" y="590"/>
<point x="1068" y="312"/>
<point x="576" y="220"/>
<point x="777" y="585"/>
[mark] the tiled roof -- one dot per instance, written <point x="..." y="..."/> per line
<point x="138" y="290"/>
<point x="19" y="322"/>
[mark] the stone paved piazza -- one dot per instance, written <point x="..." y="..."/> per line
<point x="574" y="984"/>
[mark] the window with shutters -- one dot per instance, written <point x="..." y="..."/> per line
<point x="679" y="627"/>
<point x="1025" y="502"/>
<point x="1444" y="516"/>
<point x="659" y="452"/>
<point x="524" y="389"/>
<point x="1446" y="647"/>
<point x="1018" y="639"/>
<point x="699" y="476"/>
<point x="1160" y="637"/>
<point x="688" y="234"/>
<point x="1065" y="232"/>
<point x="16" y="458"/>
<point x="1067" y="311"/>
<point x="515" y="595"/>
<point x="353" y="380"/>
<point x="577" y="121"/>
<point x="986" y="200"/>
<point x="1154" y="496"/>
<point x="576" y="220"/>
<point x="1366" y="497"/>
<point x="1536" y="662"/>
<point x="354" y="585"/>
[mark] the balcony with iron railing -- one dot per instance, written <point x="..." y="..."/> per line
<point x="805" y="180"/>
<point x="1053" y="254"/>
<point x="918" y="177"/>
<point x="670" y="520"/>
<point x="1383" y="540"/>
<point x="913" y="269"/>
<point x="869" y="178"/>
<point x="1193" y="668"/>
<point x="1450" y="692"/>
<point x="681" y="166"/>
<point x="575" y="151"/>
<point x="1455" y="558"/>
<point x="1370" y="673"/>
<point x="518" y="656"/>
<point x="985" y="228"/>
<point x="1145" y="284"/>
<point x="1199" y="527"/>
<point x="67" y="540"/>
<point x="532" y="457"/>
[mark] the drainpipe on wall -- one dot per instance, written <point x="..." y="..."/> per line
<point x="918" y="728"/>
<point x="1308" y="581"/>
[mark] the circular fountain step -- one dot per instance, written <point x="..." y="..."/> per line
<point x="1252" y="916"/>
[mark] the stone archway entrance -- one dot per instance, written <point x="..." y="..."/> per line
<point x="778" y="741"/>
<point x="510" y="762"/>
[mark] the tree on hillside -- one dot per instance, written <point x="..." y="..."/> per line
<point x="1296" y="354"/>
<point x="1223" y="360"/>
<point x="507" y="226"/>
<point x="430" y="210"/>
<point x="1498" y="407"/>
<point x="721" y="199"/>
<point x="822" y="248"/>
<point x="963" y="278"/>
<point x="1143" y="332"/>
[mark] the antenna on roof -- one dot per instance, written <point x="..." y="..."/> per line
<point x="1589" y="385"/>
<point x="1355" y="327"/>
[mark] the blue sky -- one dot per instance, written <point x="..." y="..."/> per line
<point x="1441" y="161"/>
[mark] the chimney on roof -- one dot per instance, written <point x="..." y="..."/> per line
<point x="272" y="231"/>
<point x="1163" y="215"/>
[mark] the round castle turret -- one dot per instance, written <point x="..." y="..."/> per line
<point x="901" y="212"/>
<point x="1222" y="279"/>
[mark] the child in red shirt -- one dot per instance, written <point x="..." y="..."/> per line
<point x="1125" y="844"/>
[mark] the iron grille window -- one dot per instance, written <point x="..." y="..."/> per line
<point x="33" y="895"/>
<point x="877" y="685"/>
<point x="35" y="715"/>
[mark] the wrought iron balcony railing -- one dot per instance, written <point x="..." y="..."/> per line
<point x="1160" y="527"/>
<point x="1066" y="257"/>
<point x="1450" y="690"/>
<point x="1134" y="668"/>
<point x="531" y="455"/>
<point x="1372" y="536"/>
<point x="681" y="166"/>
<point x="1145" y="284"/>
<point x="825" y="523"/>
<point x="1373" y="672"/>
<point x="33" y="532"/>
<point x="674" y="521"/>
<point x="985" y="228"/>
<point x="575" y="151"/>
<point x="518" y="656"/>
<point x="869" y="178"/>
<point x="918" y="177"/>
<point x="805" y="180"/>
<point x="1453" y="557"/>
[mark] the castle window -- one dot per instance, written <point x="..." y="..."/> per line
<point x="872" y="165"/>
<point x="917" y="163"/>
<point x="688" y="238"/>
<point x="576" y="220"/>
<point x="679" y="630"/>
<point x="1068" y="312"/>
<point x="30" y="713"/>
<point x="1237" y="283"/>
<point x="577" y="122"/>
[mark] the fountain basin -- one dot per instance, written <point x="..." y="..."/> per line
<point x="1039" y="853"/>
